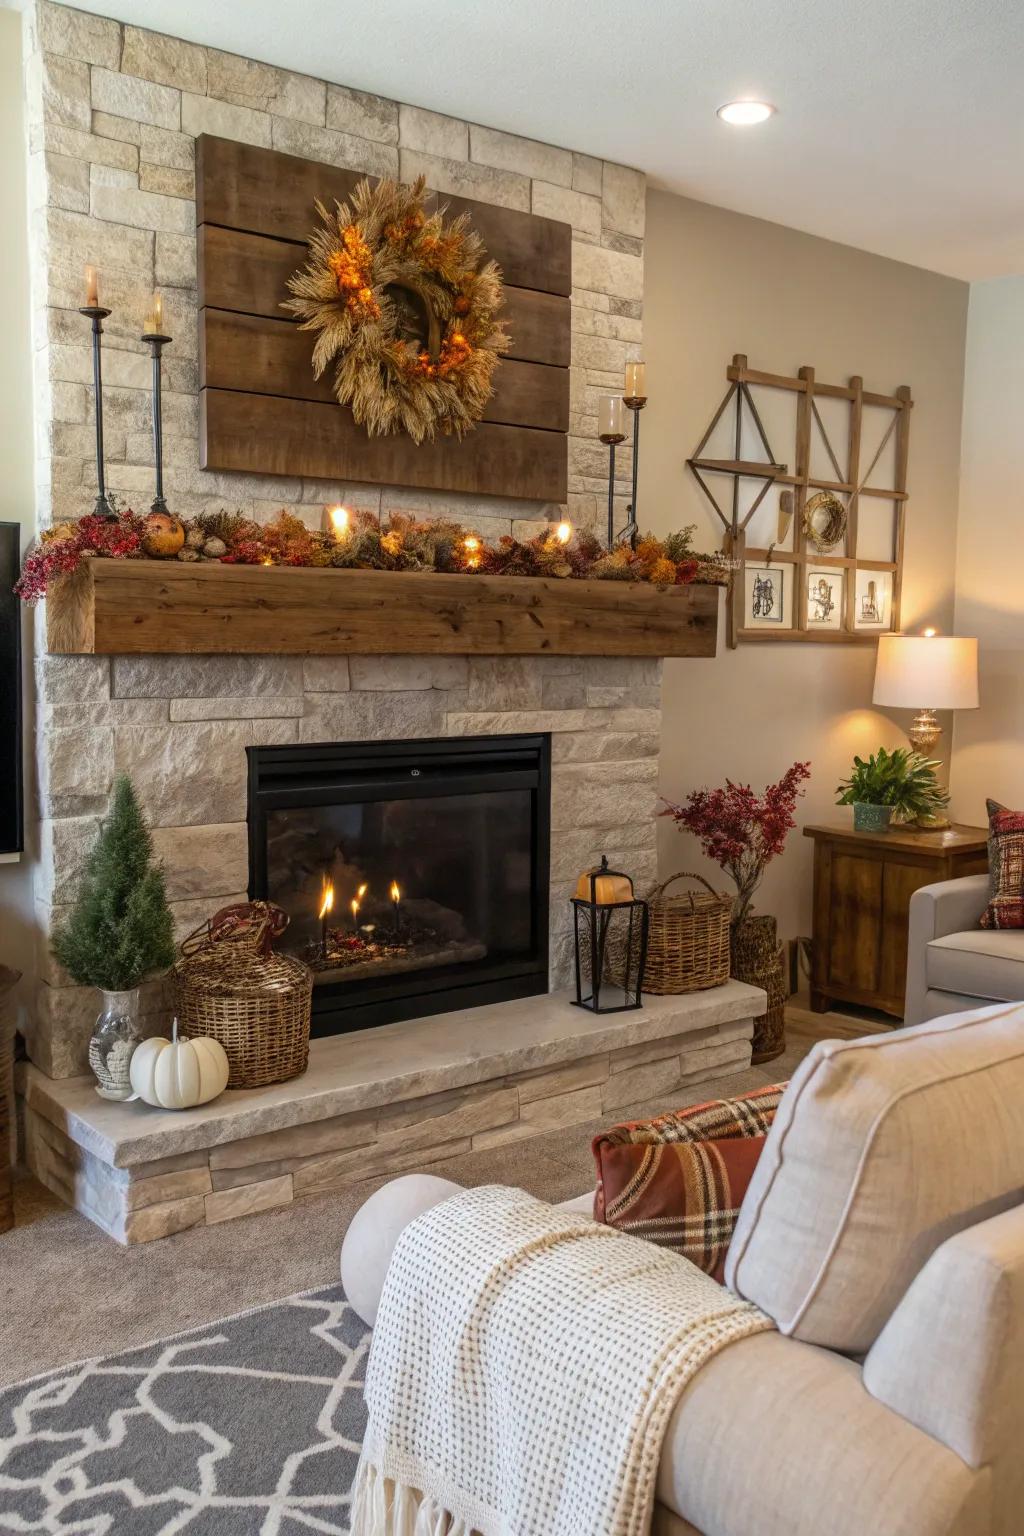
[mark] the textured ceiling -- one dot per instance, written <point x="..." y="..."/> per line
<point x="900" y="127"/>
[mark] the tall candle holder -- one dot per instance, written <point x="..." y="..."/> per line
<point x="634" y="399"/>
<point x="157" y="341"/>
<point x="97" y="314"/>
<point x="611" y="430"/>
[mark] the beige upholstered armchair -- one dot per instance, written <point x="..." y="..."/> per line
<point x="952" y="963"/>
<point x="884" y="1234"/>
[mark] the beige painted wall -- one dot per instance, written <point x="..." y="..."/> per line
<point x="988" y="758"/>
<point x="16" y="493"/>
<point x="719" y="283"/>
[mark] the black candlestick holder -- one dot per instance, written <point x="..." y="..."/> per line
<point x="157" y="343"/>
<point x="97" y="315"/>
<point x="634" y="403"/>
<point x="612" y="440"/>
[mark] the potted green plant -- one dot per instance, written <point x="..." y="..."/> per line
<point x="118" y="933"/>
<point x="900" y="784"/>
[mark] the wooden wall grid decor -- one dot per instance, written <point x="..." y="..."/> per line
<point x="849" y="484"/>
<point x="261" y="409"/>
<point x="125" y="607"/>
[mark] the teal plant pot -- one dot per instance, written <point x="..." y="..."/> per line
<point x="871" y="818"/>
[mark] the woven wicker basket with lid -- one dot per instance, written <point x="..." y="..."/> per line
<point x="232" y="987"/>
<point x="688" y="938"/>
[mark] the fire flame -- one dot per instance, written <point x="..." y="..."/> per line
<point x="395" y="892"/>
<point x="563" y="533"/>
<point x="326" y="899"/>
<point x="340" y="518"/>
<point x="361" y="892"/>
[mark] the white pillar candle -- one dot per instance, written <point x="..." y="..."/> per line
<point x="636" y="381"/>
<point x="611" y="419"/>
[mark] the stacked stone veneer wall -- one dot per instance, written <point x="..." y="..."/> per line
<point x="139" y="1201"/>
<point x="113" y="112"/>
<point x="180" y="727"/>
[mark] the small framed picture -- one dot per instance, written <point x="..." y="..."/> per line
<point x="767" y="597"/>
<point x="825" y="587"/>
<point x="873" y="608"/>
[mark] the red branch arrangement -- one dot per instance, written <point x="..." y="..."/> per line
<point x="742" y="831"/>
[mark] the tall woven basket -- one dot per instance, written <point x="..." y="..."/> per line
<point x="8" y="981"/>
<point x="757" y="958"/>
<point x="688" y="938"/>
<point x="234" y="988"/>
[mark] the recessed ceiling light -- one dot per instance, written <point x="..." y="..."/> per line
<point x="744" y="114"/>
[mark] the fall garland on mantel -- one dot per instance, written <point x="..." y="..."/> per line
<point x="361" y="542"/>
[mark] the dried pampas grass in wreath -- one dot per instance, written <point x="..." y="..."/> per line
<point x="407" y="307"/>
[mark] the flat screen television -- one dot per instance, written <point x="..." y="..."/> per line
<point x="12" y="821"/>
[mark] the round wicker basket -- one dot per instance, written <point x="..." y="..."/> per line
<point x="256" y="1003"/>
<point x="688" y="939"/>
<point x="757" y="958"/>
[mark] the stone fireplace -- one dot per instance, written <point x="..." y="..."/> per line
<point x="185" y="728"/>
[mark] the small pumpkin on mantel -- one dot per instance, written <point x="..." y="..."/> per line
<point x="179" y="1073"/>
<point x="164" y="535"/>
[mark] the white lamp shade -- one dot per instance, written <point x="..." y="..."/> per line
<point x="926" y="672"/>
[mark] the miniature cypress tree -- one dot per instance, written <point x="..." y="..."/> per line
<point x="119" y="930"/>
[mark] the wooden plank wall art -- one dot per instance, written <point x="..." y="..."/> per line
<point x="262" y="409"/>
<point x="822" y="561"/>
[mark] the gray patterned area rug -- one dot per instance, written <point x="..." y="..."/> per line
<point x="246" y="1427"/>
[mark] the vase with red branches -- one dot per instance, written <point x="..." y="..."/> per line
<point x="743" y="831"/>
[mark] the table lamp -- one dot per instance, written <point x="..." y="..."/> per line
<point x="926" y="672"/>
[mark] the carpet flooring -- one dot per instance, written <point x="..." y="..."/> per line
<point x="252" y="1423"/>
<point x="71" y="1292"/>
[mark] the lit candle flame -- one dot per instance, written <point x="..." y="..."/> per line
<point x="340" y="519"/>
<point x="395" y="892"/>
<point x="563" y="533"/>
<point x="355" y="909"/>
<point x="326" y="900"/>
<point x="361" y="892"/>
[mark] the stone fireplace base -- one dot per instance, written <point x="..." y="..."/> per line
<point x="401" y="1096"/>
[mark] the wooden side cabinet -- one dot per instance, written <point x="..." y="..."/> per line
<point x="863" y="882"/>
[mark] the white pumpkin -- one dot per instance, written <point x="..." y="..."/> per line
<point x="178" y="1074"/>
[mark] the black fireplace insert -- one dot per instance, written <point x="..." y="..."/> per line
<point x="415" y="874"/>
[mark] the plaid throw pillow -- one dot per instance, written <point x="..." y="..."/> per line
<point x="1006" y="868"/>
<point x="679" y="1180"/>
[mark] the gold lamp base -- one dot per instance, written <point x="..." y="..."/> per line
<point x="925" y="730"/>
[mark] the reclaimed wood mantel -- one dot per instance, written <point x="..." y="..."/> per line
<point x="149" y="606"/>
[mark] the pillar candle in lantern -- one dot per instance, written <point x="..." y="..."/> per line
<point x="635" y="391"/>
<point x="92" y="289"/>
<point x="155" y="318"/>
<point x="611" y="419"/>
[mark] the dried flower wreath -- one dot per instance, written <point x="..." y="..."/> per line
<point x="407" y="308"/>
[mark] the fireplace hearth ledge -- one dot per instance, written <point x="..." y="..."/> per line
<point x="401" y="1096"/>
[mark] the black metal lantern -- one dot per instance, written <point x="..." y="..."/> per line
<point x="611" y="941"/>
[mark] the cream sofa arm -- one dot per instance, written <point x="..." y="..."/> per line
<point x="949" y="906"/>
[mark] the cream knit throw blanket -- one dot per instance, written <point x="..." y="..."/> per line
<point x="524" y="1365"/>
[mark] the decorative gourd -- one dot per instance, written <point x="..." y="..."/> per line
<point x="164" y="535"/>
<point x="179" y="1074"/>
